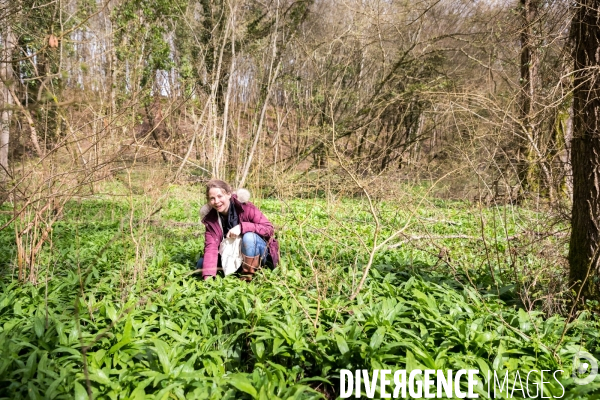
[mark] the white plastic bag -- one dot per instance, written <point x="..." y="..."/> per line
<point x="231" y="254"/>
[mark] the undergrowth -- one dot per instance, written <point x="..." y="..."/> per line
<point x="119" y="313"/>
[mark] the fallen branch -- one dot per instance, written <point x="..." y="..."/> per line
<point x="541" y="235"/>
<point x="421" y="237"/>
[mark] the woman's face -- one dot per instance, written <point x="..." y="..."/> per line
<point x="219" y="200"/>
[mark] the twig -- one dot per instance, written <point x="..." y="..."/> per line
<point x="421" y="237"/>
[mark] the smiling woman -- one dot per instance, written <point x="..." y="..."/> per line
<point x="229" y="214"/>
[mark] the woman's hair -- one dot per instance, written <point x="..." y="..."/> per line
<point x="219" y="184"/>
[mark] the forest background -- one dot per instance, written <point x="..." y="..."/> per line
<point x="416" y="158"/>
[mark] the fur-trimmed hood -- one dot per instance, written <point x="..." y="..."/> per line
<point x="242" y="195"/>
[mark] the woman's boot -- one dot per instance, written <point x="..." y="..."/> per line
<point x="249" y="267"/>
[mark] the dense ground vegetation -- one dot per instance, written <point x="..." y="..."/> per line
<point x="117" y="312"/>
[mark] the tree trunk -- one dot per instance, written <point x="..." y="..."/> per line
<point x="585" y="150"/>
<point x="6" y="75"/>
<point x="566" y="128"/>
<point x="529" y="67"/>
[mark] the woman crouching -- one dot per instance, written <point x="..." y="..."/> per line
<point x="229" y="214"/>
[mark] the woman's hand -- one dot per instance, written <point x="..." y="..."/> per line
<point x="235" y="231"/>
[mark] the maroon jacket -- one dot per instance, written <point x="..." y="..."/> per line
<point x="251" y="220"/>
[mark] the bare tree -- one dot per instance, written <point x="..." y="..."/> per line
<point x="529" y="66"/>
<point x="6" y="80"/>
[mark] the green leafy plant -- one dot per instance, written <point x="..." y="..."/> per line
<point x="88" y="328"/>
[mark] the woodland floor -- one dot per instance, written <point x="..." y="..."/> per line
<point x="117" y="310"/>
